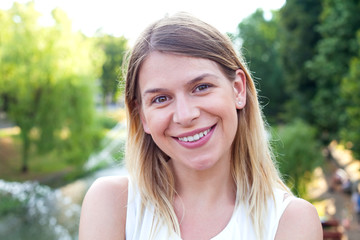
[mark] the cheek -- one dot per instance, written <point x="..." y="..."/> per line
<point x="157" y="121"/>
<point x="224" y="106"/>
<point x="227" y="111"/>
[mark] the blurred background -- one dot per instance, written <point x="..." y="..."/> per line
<point x="62" y="118"/>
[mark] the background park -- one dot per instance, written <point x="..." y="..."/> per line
<point x="62" y="119"/>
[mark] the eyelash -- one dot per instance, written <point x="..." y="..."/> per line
<point x="203" y="86"/>
<point x="157" y="99"/>
<point x="199" y="88"/>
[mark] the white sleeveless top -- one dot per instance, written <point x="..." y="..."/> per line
<point x="240" y="226"/>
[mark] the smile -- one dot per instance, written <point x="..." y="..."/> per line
<point x="195" y="137"/>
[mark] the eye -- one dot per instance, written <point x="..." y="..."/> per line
<point x="202" y="87"/>
<point x="160" y="99"/>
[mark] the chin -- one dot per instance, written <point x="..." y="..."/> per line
<point x="202" y="165"/>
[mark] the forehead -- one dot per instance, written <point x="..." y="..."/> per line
<point x="162" y="68"/>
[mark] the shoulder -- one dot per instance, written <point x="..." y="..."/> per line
<point x="103" y="213"/>
<point x="113" y="185"/>
<point x="300" y="220"/>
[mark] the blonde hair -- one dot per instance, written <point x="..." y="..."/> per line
<point x="253" y="169"/>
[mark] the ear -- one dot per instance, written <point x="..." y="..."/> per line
<point x="143" y="119"/>
<point x="145" y="126"/>
<point x="239" y="85"/>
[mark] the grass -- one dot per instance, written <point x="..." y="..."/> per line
<point x="40" y="166"/>
<point x="46" y="168"/>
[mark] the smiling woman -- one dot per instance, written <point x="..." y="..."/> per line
<point x="199" y="163"/>
<point x="196" y="98"/>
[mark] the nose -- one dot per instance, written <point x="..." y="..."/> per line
<point x="185" y="111"/>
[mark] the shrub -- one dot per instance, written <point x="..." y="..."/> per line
<point x="298" y="153"/>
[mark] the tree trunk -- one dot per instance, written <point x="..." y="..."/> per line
<point x="25" y="151"/>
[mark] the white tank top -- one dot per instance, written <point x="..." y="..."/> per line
<point x="240" y="226"/>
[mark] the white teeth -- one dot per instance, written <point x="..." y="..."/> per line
<point x="195" y="137"/>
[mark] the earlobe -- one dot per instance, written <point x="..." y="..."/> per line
<point x="239" y="85"/>
<point x="146" y="129"/>
<point x="143" y="122"/>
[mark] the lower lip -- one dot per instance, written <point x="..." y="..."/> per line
<point x="198" y="143"/>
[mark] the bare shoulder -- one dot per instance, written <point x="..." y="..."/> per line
<point x="300" y="221"/>
<point x="103" y="213"/>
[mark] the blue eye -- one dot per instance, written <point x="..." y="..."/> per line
<point x="160" y="99"/>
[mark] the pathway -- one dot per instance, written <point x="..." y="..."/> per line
<point x="334" y="203"/>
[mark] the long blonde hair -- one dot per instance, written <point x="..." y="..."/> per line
<point x="253" y="169"/>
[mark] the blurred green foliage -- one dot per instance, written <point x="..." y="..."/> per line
<point x="350" y="92"/>
<point x="106" y="122"/>
<point x="298" y="154"/>
<point x="306" y="59"/>
<point x="47" y="83"/>
<point x="339" y="22"/>
<point x="260" y="46"/>
<point x="298" y="21"/>
<point x="111" y="79"/>
<point x="9" y="204"/>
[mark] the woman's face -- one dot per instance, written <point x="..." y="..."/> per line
<point x="190" y="108"/>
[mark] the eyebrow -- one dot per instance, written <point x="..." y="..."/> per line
<point x="189" y="83"/>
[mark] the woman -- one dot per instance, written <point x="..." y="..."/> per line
<point x="197" y="152"/>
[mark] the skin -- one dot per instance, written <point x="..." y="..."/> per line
<point x="103" y="213"/>
<point x="182" y="96"/>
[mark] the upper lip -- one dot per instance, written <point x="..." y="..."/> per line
<point x="191" y="133"/>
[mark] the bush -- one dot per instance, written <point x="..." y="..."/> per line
<point x="107" y="122"/>
<point x="8" y="204"/>
<point x="298" y="154"/>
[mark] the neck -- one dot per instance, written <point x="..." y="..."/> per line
<point x="201" y="194"/>
<point x="209" y="185"/>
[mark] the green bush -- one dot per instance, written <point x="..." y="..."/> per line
<point x="106" y="122"/>
<point x="8" y="204"/>
<point x="298" y="153"/>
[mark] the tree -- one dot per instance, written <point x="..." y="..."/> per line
<point x="115" y="49"/>
<point x="260" y="47"/>
<point x="47" y="83"/>
<point x="298" y="154"/>
<point x="298" y="19"/>
<point x="339" y="22"/>
<point x="349" y="92"/>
